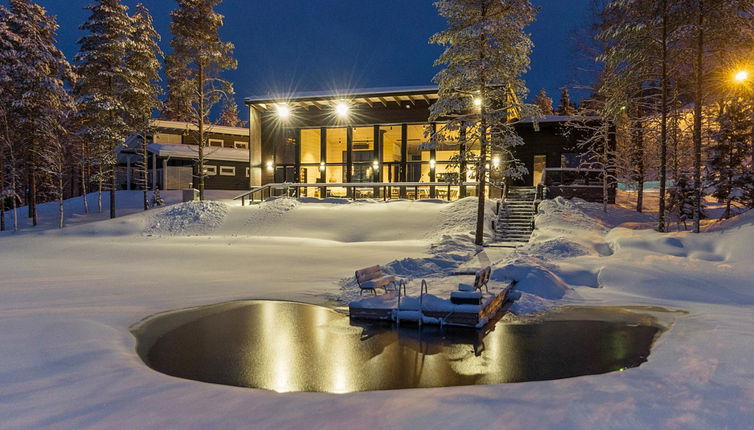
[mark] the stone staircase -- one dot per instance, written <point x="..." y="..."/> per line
<point x="515" y="220"/>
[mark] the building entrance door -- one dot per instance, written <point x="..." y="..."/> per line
<point x="540" y="162"/>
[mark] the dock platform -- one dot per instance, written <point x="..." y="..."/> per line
<point x="432" y="309"/>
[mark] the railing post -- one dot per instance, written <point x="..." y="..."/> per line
<point x="243" y="201"/>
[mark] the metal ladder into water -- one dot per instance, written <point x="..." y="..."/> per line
<point x="416" y="315"/>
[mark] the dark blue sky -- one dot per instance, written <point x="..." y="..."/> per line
<point x="289" y="45"/>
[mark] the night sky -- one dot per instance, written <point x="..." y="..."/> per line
<point x="314" y="45"/>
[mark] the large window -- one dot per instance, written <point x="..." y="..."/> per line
<point x="337" y="147"/>
<point x="418" y="153"/>
<point x="362" y="154"/>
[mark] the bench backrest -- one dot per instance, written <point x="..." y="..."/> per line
<point x="482" y="277"/>
<point x="364" y="275"/>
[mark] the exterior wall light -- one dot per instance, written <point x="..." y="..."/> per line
<point x="478" y="102"/>
<point x="341" y="109"/>
<point x="269" y="165"/>
<point x="322" y="166"/>
<point x="375" y="165"/>
<point x="283" y="111"/>
<point x="432" y="164"/>
<point x="496" y="162"/>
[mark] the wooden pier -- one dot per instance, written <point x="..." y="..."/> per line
<point x="434" y="310"/>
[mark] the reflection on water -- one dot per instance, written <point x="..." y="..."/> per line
<point x="284" y="346"/>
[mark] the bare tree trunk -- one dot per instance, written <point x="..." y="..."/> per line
<point x="61" y="209"/>
<point x="113" y="187"/>
<point x="33" y="189"/>
<point x="664" y="121"/>
<point x="698" y="101"/>
<point x="482" y="178"/>
<point x="639" y="162"/>
<point x="13" y="199"/>
<point x="145" y="169"/>
<point x="99" y="189"/>
<point x="84" y="189"/>
<point x="201" y="131"/>
<point x="2" y="187"/>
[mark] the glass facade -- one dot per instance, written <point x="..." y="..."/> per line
<point x="387" y="153"/>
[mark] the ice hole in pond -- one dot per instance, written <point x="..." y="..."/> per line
<point x="288" y="346"/>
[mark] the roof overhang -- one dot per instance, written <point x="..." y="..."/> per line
<point x="386" y="97"/>
<point x="181" y="126"/>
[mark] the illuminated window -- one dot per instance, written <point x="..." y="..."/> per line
<point x="210" y="170"/>
<point x="227" y="171"/>
<point x="218" y="143"/>
<point x="240" y="145"/>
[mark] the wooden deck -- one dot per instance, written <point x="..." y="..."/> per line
<point x="456" y="318"/>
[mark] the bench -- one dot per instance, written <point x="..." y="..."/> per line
<point x="472" y="294"/>
<point x="373" y="277"/>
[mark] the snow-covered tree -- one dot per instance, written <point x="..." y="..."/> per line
<point x="681" y="200"/>
<point x="194" y="67"/>
<point x="726" y="166"/>
<point x="566" y="106"/>
<point x="34" y="77"/>
<point x="143" y="90"/>
<point x="543" y="102"/>
<point x="486" y="52"/>
<point x="103" y="80"/>
<point x="229" y="115"/>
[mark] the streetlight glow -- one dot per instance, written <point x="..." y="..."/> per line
<point x="342" y="109"/>
<point x="283" y="111"/>
<point x="741" y="76"/>
<point x="496" y="162"/>
<point x="478" y="102"/>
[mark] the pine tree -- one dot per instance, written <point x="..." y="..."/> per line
<point x="194" y="68"/>
<point x="143" y="89"/>
<point x="544" y="102"/>
<point x="104" y="78"/>
<point x="35" y="75"/>
<point x="566" y="107"/>
<point x="486" y="52"/>
<point x="727" y="156"/>
<point x="229" y="115"/>
<point x="681" y="201"/>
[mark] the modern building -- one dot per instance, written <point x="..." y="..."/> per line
<point x="326" y="142"/>
<point x="173" y="153"/>
<point x="382" y="136"/>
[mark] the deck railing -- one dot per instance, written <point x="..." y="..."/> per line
<point x="352" y="190"/>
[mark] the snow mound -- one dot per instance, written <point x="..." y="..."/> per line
<point x="188" y="219"/>
<point x="745" y="219"/>
<point x="558" y="248"/>
<point x="532" y="277"/>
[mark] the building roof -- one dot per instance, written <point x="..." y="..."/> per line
<point x="192" y="152"/>
<point x="210" y="128"/>
<point x="370" y="96"/>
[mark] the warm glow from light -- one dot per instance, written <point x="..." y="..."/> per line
<point x="478" y="102"/>
<point x="375" y="164"/>
<point x="341" y="109"/>
<point x="496" y="162"/>
<point x="269" y="165"/>
<point x="741" y="76"/>
<point x="283" y="111"/>
<point x="432" y="164"/>
<point x="322" y="166"/>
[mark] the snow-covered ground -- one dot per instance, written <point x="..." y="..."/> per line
<point x="68" y="298"/>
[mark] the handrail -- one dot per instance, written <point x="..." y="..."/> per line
<point x="352" y="185"/>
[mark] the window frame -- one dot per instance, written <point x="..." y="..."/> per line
<point x="210" y="170"/>
<point x="233" y="168"/>
<point x="243" y="145"/>
<point x="210" y="141"/>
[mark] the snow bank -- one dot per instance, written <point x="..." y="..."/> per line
<point x="187" y="219"/>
